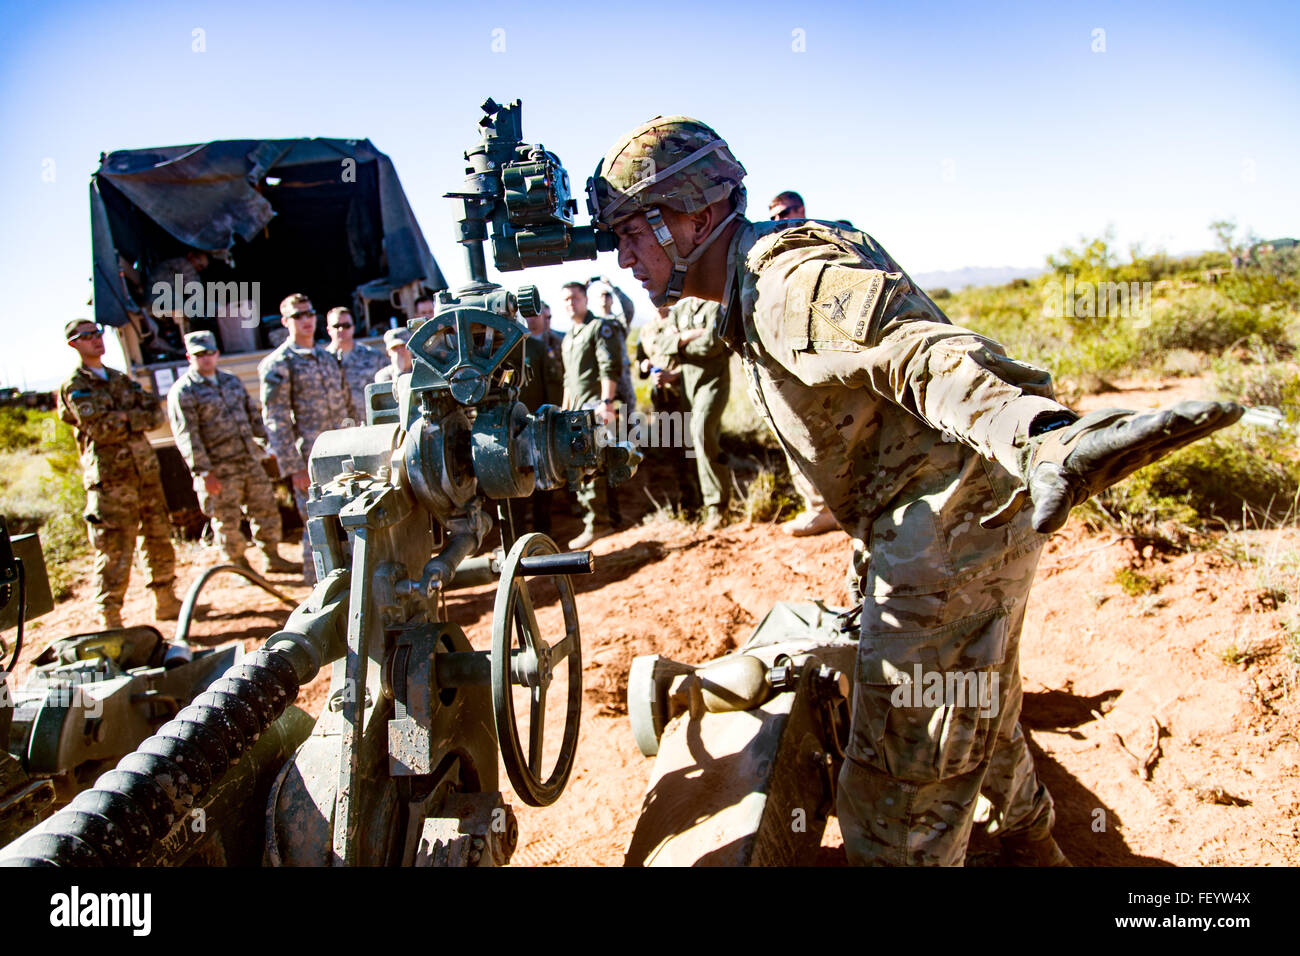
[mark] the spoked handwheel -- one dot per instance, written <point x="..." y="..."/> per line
<point x="520" y="656"/>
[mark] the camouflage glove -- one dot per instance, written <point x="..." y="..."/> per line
<point x="1068" y="465"/>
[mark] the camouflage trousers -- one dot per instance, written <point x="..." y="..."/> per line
<point x="812" y="499"/>
<point x="115" y="516"/>
<point x="245" y="489"/>
<point x="935" y="724"/>
<point x="593" y="498"/>
<point x="670" y="477"/>
<point x="708" y="389"/>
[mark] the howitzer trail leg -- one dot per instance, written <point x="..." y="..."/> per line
<point x="354" y="702"/>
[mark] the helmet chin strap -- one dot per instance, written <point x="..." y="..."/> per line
<point x="678" y="279"/>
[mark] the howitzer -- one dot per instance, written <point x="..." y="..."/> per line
<point x="748" y="747"/>
<point x="89" y="700"/>
<point x="401" y="767"/>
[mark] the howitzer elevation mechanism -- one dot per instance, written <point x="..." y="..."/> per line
<point x="401" y="767"/>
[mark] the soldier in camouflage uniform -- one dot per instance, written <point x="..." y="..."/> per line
<point x="666" y="468"/>
<point x="304" y="393"/>
<point x="601" y="294"/>
<point x="399" y="355"/>
<point x="705" y="362"/>
<point x="124" y="494"/>
<point x="946" y="461"/>
<point x="594" y="356"/>
<point x="220" y="435"/>
<point x="544" y="360"/>
<point x="359" y="361"/>
<point x="816" y="517"/>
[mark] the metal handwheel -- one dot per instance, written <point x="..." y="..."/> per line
<point x="521" y="656"/>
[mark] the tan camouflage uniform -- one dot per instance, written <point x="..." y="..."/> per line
<point x="217" y="431"/>
<point x="360" y="365"/>
<point x="593" y="351"/>
<point x="666" y="468"/>
<point x="912" y="429"/>
<point x="304" y="393"/>
<point x="706" y="379"/>
<point x="124" y="493"/>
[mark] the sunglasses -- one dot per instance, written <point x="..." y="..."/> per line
<point x="341" y="325"/>
<point x="93" y="334"/>
<point x="304" y="315"/>
<point x="782" y="213"/>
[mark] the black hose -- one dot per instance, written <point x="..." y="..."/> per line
<point x="192" y="596"/>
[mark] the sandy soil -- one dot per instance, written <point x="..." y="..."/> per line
<point x="1191" y="681"/>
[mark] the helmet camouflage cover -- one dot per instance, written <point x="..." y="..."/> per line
<point x="672" y="161"/>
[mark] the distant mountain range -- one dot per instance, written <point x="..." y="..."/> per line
<point x="954" y="279"/>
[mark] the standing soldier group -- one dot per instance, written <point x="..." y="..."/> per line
<point x="305" y="389"/>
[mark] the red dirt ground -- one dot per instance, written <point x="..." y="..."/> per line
<point x="1107" y="677"/>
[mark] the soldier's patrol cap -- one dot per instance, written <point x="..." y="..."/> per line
<point x="70" y="328"/>
<point x="196" y="342"/>
<point x="396" y="337"/>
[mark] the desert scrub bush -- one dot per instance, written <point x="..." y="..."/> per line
<point x="16" y="432"/>
<point x="765" y="498"/>
<point x="1206" y="320"/>
<point x="1136" y="584"/>
<point x="41" y="490"/>
<point x="741" y="422"/>
<point x="1221" y="481"/>
<point x="1263" y="376"/>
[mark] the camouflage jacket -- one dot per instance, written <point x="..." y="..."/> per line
<point x="911" y="427"/>
<point x="214" y="424"/>
<point x="657" y="343"/>
<point x="111" y="417"/>
<point x="304" y="393"/>
<point x="707" y="351"/>
<point x="593" y="351"/>
<point x="360" y="365"/>
<point x="544" y="359"/>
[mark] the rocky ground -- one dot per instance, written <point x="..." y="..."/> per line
<point x="1164" y="723"/>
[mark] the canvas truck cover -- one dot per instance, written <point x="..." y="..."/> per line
<point x="279" y="211"/>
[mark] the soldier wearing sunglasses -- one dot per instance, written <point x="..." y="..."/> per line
<point x="304" y="393"/>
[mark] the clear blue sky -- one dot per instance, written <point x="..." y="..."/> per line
<point x="958" y="135"/>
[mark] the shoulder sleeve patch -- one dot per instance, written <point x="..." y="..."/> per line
<point x="606" y="330"/>
<point x="847" y="306"/>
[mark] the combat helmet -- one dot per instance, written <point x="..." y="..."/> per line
<point x="672" y="161"/>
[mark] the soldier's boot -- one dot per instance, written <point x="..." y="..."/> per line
<point x="589" y="535"/>
<point x="1065" y="466"/>
<point x="811" y="523"/>
<point x="1026" y="849"/>
<point x="274" y="562"/>
<point x="714" y="518"/>
<point x="167" y="607"/>
<point x="110" y="618"/>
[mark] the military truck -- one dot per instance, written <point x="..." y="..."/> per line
<point x="212" y="236"/>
